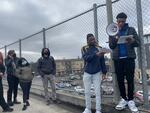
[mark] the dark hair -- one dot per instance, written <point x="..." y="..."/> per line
<point x="89" y="35"/>
<point x="121" y="15"/>
<point x="10" y="52"/>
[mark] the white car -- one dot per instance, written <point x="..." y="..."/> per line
<point x="107" y="90"/>
<point x="108" y="79"/>
<point x="79" y="89"/>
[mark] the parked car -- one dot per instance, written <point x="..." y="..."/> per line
<point x="74" y="84"/>
<point x="148" y="81"/>
<point x="139" y="95"/>
<point x="60" y="85"/>
<point x="108" y="79"/>
<point x="107" y="90"/>
<point x="63" y="85"/>
<point x="81" y="90"/>
<point x="75" y="77"/>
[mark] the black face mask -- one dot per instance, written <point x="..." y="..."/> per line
<point x="92" y="44"/>
<point x="45" y="53"/>
<point x="14" y="55"/>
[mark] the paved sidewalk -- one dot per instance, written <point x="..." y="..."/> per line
<point x="37" y="105"/>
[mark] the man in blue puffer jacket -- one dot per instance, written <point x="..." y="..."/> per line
<point x="93" y="69"/>
<point x="124" y="61"/>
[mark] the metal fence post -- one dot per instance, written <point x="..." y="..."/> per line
<point x="20" y="49"/>
<point x="95" y="21"/>
<point x="115" y="83"/>
<point x="5" y="51"/>
<point x="142" y="53"/>
<point x="44" y="38"/>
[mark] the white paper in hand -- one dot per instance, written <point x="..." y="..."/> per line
<point x="104" y="50"/>
<point x="123" y="39"/>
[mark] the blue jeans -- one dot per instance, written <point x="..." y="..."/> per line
<point x="88" y="79"/>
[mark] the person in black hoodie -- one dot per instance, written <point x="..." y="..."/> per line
<point x="3" y="103"/>
<point x="47" y="69"/>
<point x="94" y="70"/>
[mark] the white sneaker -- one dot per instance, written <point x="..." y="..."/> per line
<point x="122" y="104"/>
<point x="132" y="107"/>
<point x="98" y="112"/>
<point x="87" y="111"/>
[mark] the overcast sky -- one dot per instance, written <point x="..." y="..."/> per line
<point x="21" y="18"/>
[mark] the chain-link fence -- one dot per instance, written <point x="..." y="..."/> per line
<point x="66" y="38"/>
<point x="63" y="39"/>
<point x="31" y="47"/>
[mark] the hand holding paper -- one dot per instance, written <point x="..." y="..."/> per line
<point x="103" y="51"/>
<point x="125" y="39"/>
<point x="130" y="39"/>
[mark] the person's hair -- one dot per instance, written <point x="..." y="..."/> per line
<point x="121" y="15"/>
<point x="10" y="52"/>
<point x="89" y="35"/>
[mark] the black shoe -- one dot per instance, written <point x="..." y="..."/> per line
<point x="8" y="109"/>
<point x="48" y="102"/>
<point x="10" y="103"/>
<point x="16" y="102"/>
<point x="24" y="107"/>
<point x="27" y="103"/>
<point x="57" y="101"/>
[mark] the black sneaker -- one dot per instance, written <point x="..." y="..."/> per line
<point x="48" y="102"/>
<point x="27" y="103"/>
<point x="57" y="101"/>
<point x="8" y="109"/>
<point x="24" y="107"/>
<point x="10" y="103"/>
<point x="16" y="102"/>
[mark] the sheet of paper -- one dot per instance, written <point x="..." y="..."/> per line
<point x="105" y="50"/>
<point x="122" y="39"/>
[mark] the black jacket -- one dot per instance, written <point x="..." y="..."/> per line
<point x="9" y="66"/>
<point x="46" y="65"/>
<point x="92" y="63"/>
<point x="130" y="47"/>
<point x="2" y="69"/>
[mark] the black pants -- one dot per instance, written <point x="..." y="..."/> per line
<point x="124" y="68"/>
<point x="12" y="87"/>
<point x="25" y="86"/>
<point x="2" y="100"/>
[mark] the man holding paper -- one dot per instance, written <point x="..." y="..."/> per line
<point x="94" y="68"/>
<point x="124" y="56"/>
